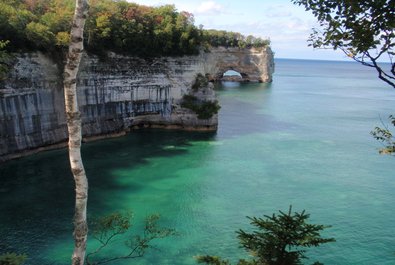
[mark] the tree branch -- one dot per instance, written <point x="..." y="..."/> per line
<point x="382" y="75"/>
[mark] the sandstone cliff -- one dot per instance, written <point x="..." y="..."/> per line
<point x="115" y="94"/>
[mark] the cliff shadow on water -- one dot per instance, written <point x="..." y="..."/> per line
<point x="32" y="227"/>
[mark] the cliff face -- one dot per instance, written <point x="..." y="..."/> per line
<point x="115" y="95"/>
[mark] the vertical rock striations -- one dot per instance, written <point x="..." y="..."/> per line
<point x="115" y="94"/>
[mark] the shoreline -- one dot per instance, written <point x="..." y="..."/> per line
<point x="93" y="138"/>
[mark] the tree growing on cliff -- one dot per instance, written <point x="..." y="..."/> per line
<point x="365" y="32"/>
<point x="4" y="58"/>
<point x="278" y="240"/>
<point x="74" y="129"/>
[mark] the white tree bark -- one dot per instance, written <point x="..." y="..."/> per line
<point x="74" y="129"/>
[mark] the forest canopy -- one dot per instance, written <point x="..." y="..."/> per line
<point x="118" y="26"/>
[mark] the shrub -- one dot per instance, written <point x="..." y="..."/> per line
<point x="4" y="60"/>
<point x="200" y="81"/>
<point x="203" y="109"/>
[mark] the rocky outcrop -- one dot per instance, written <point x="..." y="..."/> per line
<point x="115" y="95"/>
<point x="254" y="65"/>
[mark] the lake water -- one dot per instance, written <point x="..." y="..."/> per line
<point x="302" y="140"/>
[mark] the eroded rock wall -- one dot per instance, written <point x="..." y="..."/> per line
<point x="114" y="94"/>
<point x="255" y="65"/>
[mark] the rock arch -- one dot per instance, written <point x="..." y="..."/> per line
<point x="255" y="65"/>
<point x="233" y="75"/>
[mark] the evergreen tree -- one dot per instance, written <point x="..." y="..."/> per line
<point x="277" y="240"/>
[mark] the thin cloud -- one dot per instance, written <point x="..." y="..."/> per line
<point x="209" y="8"/>
<point x="278" y="11"/>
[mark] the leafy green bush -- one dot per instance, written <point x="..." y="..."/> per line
<point x="200" y="81"/>
<point x="203" y="109"/>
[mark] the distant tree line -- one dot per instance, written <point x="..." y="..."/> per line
<point x="117" y="26"/>
<point x="217" y="38"/>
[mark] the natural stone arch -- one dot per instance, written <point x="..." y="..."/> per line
<point x="255" y="65"/>
<point x="232" y="72"/>
<point x="241" y="77"/>
<point x="233" y="76"/>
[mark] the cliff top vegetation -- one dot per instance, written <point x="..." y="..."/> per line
<point x="117" y="26"/>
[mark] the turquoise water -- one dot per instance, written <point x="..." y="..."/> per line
<point x="302" y="140"/>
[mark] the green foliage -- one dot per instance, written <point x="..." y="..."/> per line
<point x="4" y="59"/>
<point x="208" y="109"/>
<point x="233" y="39"/>
<point x="363" y="30"/>
<point x="40" y="35"/>
<point x="141" y="30"/>
<point x="214" y="260"/>
<point x="32" y="25"/>
<point x="281" y="239"/>
<point x="200" y="81"/>
<point x="385" y="136"/>
<point x="13" y="21"/>
<point x="277" y="240"/>
<point x="203" y="109"/>
<point x="111" y="25"/>
<point x="12" y="259"/>
<point x="113" y="224"/>
<point x="62" y="39"/>
<point x="117" y="225"/>
<point x="58" y="16"/>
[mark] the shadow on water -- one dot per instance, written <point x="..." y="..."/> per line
<point x="34" y="217"/>
<point x="131" y="152"/>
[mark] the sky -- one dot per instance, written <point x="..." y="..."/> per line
<point x="288" y="26"/>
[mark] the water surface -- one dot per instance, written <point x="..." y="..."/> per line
<point x="302" y="140"/>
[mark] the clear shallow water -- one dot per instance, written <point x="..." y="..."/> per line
<point x="302" y="140"/>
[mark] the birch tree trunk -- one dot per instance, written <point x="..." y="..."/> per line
<point x="74" y="129"/>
